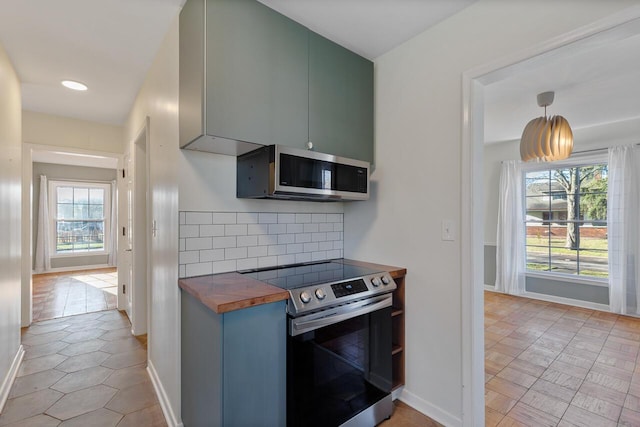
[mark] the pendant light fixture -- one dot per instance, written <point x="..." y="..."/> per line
<point x="546" y="139"/>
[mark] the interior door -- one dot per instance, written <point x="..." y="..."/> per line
<point x="127" y="235"/>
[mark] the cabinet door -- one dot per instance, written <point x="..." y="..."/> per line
<point x="340" y="100"/>
<point x="257" y="74"/>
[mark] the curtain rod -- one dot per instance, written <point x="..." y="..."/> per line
<point x="89" y="181"/>
<point x="595" y="150"/>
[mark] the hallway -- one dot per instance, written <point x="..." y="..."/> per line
<point x="84" y="370"/>
<point x="70" y="293"/>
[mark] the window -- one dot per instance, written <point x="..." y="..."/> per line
<point x="566" y="220"/>
<point x="80" y="217"/>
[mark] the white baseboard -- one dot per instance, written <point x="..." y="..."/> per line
<point x="76" y="268"/>
<point x="567" y="301"/>
<point x="165" y="404"/>
<point x="430" y="410"/>
<point x="490" y="288"/>
<point x="10" y="377"/>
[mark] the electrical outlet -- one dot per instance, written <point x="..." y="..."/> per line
<point x="448" y="231"/>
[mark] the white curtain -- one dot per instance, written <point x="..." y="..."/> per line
<point x="623" y="230"/>
<point x="43" y="259"/>
<point x="510" y="251"/>
<point x="113" y="231"/>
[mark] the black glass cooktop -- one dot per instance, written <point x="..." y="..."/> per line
<point x="301" y="275"/>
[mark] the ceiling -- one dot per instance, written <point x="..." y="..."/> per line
<point x="110" y="45"/>
<point x="596" y="84"/>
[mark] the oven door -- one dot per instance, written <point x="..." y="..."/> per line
<point x="340" y="371"/>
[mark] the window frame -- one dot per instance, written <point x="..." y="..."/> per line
<point x="589" y="159"/>
<point x="53" y="205"/>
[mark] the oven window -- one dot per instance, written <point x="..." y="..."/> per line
<point x="337" y="371"/>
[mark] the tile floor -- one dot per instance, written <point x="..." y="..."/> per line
<point x="405" y="416"/>
<point x="85" y="370"/>
<point x="549" y="364"/>
<point x="66" y="294"/>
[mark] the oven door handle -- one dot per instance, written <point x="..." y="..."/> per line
<point x="300" y="326"/>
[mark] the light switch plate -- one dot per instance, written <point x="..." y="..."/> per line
<point x="448" y="231"/>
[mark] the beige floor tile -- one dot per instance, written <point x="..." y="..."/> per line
<point x="82" y="347"/>
<point x="517" y="377"/>
<point x="80" y="336"/>
<point x="133" y="398"/>
<point x="37" y="421"/>
<point x="127" y="377"/>
<point x="45" y="349"/>
<point x="125" y="360"/>
<point x="608" y="381"/>
<point x="492" y="418"/>
<point x="98" y="418"/>
<point x="28" y="406"/>
<point x="553" y="390"/>
<point x="528" y="416"/>
<point x="507" y="388"/>
<point x="116" y="335"/>
<point x="608" y="394"/>
<point x="40" y="364"/>
<point x="123" y="345"/>
<point x="34" y="382"/>
<point x="545" y="403"/>
<point x="562" y="379"/>
<point x="31" y="340"/>
<point x="82" y="379"/>
<point x="629" y="418"/>
<point x="81" y="401"/>
<point x="152" y="417"/>
<point x="82" y="361"/>
<point x="582" y="418"/>
<point x="597" y="406"/>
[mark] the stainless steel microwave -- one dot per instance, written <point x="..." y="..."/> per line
<point x="280" y="172"/>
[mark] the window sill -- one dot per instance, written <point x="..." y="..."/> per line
<point x="569" y="278"/>
<point x="78" y="254"/>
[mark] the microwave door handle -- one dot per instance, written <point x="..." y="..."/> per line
<point x="300" y="327"/>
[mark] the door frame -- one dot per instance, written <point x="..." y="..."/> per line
<point x="613" y="27"/>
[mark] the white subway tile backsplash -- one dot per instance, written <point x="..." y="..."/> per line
<point x="286" y="259"/>
<point x="303" y="237"/>
<point x="199" y="269"/>
<point x="284" y="239"/>
<point x="247" y="263"/>
<point x="235" y="230"/>
<point x="295" y="248"/>
<point x="197" y="243"/>
<point x="319" y="217"/>
<point x="235" y="253"/>
<point x="224" y="242"/>
<point x="223" y="217"/>
<point x="318" y="237"/>
<point x="277" y="228"/>
<point x="217" y="242"/>
<point x="334" y="217"/>
<point x="310" y="247"/>
<point x="211" y="230"/>
<point x="198" y="218"/>
<point x="268" y="239"/>
<point x="189" y="230"/>
<point x="224" y="266"/>
<point x="257" y="251"/>
<point x="267" y="261"/>
<point x="325" y="226"/>
<point x="210" y="255"/>
<point x="247" y="241"/>
<point x="253" y="229"/>
<point x="286" y="218"/>
<point x="247" y="218"/>
<point x="303" y="218"/>
<point x="189" y="257"/>
<point x="268" y="218"/>
<point x="311" y="228"/>
<point x="303" y="257"/>
<point x="277" y="250"/>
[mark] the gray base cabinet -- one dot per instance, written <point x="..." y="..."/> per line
<point x="233" y="365"/>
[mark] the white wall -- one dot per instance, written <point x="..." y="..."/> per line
<point x="417" y="178"/>
<point x="10" y="222"/>
<point x="47" y="129"/>
<point x="158" y="99"/>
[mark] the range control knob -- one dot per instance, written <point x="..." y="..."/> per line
<point x="386" y="280"/>
<point x="305" y="297"/>
<point x="320" y="294"/>
<point x="376" y="281"/>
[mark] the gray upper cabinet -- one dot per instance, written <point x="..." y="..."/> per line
<point x="250" y="76"/>
<point x="340" y="100"/>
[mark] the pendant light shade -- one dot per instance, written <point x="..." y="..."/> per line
<point x="546" y="139"/>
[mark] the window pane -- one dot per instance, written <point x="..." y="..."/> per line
<point x="81" y="195"/>
<point x="564" y="261"/>
<point x="95" y="211"/>
<point x="96" y="196"/>
<point x="65" y="211"/>
<point x="80" y="211"/>
<point x="65" y="194"/>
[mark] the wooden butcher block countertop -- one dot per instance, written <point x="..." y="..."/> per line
<point x="227" y="292"/>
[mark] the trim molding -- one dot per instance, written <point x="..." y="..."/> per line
<point x="76" y="268"/>
<point x="10" y="378"/>
<point x="567" y="301"/>
<point x="165" y="404"/>
<point x="428" y="409"/>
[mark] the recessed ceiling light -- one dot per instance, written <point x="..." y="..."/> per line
<point x="74" y="85"/>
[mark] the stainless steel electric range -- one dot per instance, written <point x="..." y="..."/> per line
<point x="339" y="343"/>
